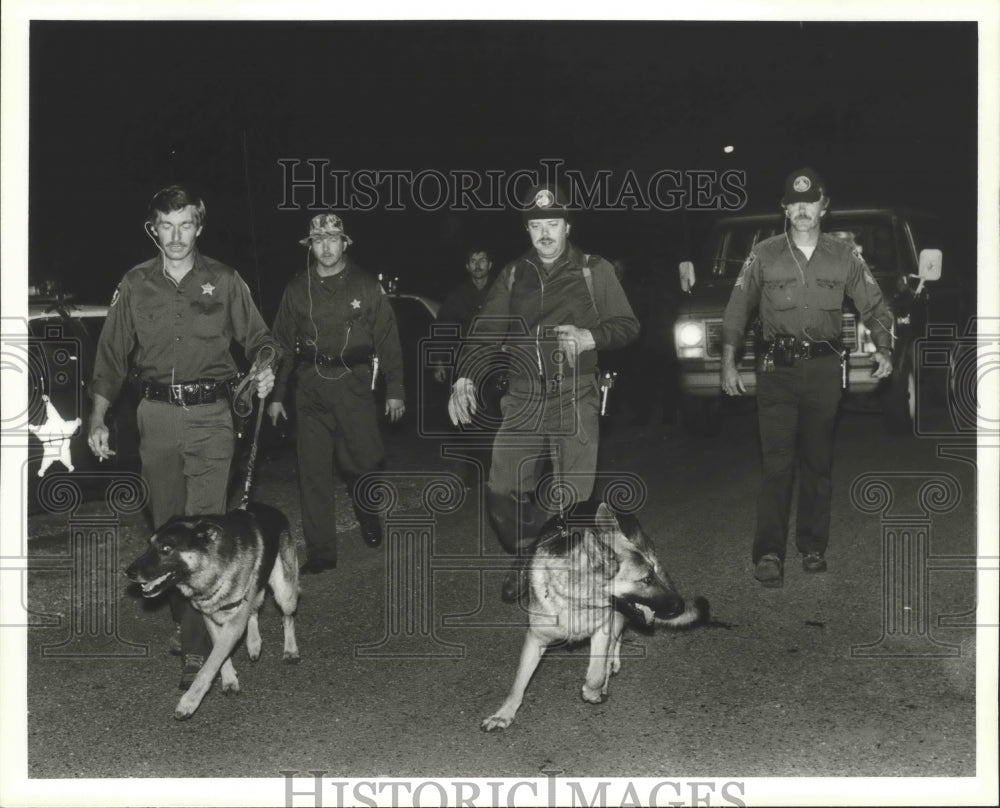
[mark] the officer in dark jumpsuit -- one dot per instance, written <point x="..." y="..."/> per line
<point x="335" y="322"/>
<point x="177" y="315"/>
<point x="457" y="312"/>
<point x="798" y="280"/>
<point x="551" y="309"/>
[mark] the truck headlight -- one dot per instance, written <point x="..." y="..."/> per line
<point x="690" y="334"/>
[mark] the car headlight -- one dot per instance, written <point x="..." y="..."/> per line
<point x="690" y="334"/>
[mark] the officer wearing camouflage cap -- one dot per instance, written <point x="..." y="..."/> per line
<point x="552" y="309"/>
<point x="798" y="280"/>
<point x="334" y="322"/>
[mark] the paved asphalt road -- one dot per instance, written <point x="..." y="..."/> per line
<point x="793" y="687"/>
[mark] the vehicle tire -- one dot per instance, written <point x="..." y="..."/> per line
<point x="899" y="400"/>
<point x="701" y="415"/>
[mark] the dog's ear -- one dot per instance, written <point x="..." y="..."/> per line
<point x="208" y="531"/>
<point x="605" y="519"/>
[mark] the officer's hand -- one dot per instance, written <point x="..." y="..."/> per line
<point x="462" y="403"/>
<point x="276" y="410"/>
<point x="98" y="440"/>
<point x="883" y="365"/>
<point x="573" y="340"/>
<point x="395" y="408"/>
<point x="265" y="382"/>
<point x="732" y="382"/>
<point x="440" y="373"/>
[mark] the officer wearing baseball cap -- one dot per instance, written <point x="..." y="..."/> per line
<point x="798" y="280"/>
<point x="551" y="310"/>
<point x="336" y="321"/>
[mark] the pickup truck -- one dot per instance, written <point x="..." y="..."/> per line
<point x="902" y="249"/>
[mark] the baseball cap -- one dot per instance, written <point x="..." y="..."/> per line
<point x="324" y="225"/>
<point x="545" y="202"/>
<point x="803" y="185"/>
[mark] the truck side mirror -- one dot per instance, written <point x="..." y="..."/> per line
<point x="686" y="269"/>
<point x="928" y="268"/>
<point x="929" y="265"/>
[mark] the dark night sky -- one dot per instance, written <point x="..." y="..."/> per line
<point x="887" y="112"/>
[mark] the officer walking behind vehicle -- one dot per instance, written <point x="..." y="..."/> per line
<point x="179" y="312"/>
<point x="798" y="280"/>
<point x="552" y="309"/>
<point x="459" y="309"/>
<point x="338" y="330"/>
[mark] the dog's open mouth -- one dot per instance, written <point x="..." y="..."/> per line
<point x="153" y="588"/>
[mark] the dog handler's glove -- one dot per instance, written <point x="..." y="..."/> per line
<point x="462" y="403"/>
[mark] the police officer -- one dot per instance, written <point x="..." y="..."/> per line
<point x="336" y="321"/>
<point x="179" y="313"/>
<point x="798" y="280"/>
<point x="551" y="309"/>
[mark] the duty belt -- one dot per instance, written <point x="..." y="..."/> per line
<point x="326" y="360"/>
<point x="186" y="394"/>
<point x="805" y="349"/>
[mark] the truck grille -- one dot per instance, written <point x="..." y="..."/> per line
<point x="713" y="330"/>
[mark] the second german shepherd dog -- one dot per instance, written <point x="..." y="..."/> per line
<point x="587" y="578"/>
<point x="223" y="564"/>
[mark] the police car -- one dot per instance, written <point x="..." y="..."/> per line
<point x="898" y="246"/>
<point x="62" y="340"/>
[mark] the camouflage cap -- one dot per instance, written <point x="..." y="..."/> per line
<point x="325" y="225"/>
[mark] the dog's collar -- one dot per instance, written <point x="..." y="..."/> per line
<point x="235" y="604"/>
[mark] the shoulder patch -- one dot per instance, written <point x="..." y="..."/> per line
<point x="116" y="295"/>
<point x="743" y="271"/>
<point x="869" y="278"/>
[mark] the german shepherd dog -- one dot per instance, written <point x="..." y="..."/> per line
<point x="588" y="577"/>
<point x="223" y="563"/>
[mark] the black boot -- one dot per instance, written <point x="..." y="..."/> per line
<point x="517" y="522"/>
<point x="516" y="584"/>
<point x="369" y="523"/>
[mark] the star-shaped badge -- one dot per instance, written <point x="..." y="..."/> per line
<point x="55" y="436"/>
<point x="355" y="304"/>
<point x="207" y="289"/>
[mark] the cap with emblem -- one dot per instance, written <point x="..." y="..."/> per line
<point x="803" y="185"/>
<point x="325" y="225"/>
<point x="545" y="202"/>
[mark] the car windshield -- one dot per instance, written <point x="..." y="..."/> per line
<point x="874" y="236"/>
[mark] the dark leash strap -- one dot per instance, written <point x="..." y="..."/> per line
<point x="243" y="405"/>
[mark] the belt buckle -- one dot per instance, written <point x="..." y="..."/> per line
<point x="175" y="394"/>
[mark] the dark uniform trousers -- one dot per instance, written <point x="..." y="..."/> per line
<point x="796" y="405"/>
<point x="561" y="426"/>
<point x="337" y="429"/>
<point x="186" y="454"/>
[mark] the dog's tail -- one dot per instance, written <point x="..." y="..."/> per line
<point x="696" y="613"/>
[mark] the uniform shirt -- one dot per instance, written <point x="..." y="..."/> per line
<point x="346" y="315"/>
<point x="805" y="298"/>
<point x="523" y="311"/>
<point x="180" y="332"/>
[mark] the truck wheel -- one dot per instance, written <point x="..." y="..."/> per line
<point x="701" y="415"/>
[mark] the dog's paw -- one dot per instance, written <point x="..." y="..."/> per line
<point x="291" y="658"/>
<point x="230" y="684"/>
<point x="592" y="696"/>
<point x="495" y="722"/>
<point x="185" y="708"/>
